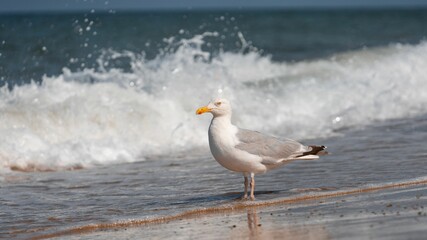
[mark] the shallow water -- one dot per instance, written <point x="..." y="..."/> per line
<point x="39" y="203"/>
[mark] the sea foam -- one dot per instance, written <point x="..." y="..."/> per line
<point x="111" y="115"/>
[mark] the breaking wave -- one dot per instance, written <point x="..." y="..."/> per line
<point x="111" y="114"/>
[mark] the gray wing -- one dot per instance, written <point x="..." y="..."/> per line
<point x="269" y="148"/>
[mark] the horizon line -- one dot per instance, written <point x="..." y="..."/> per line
<point x="213" y="9"/>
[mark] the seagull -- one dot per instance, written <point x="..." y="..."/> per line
<point x="250" y="152"/>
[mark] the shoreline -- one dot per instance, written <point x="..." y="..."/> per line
<point x="237" y="207"/>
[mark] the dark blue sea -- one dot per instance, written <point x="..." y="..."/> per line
<point x="98" y="124"/>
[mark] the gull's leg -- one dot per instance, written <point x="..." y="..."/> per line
<point x="252" y="186"/>
<point x="245" y="194"/>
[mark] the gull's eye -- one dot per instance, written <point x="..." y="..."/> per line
<point x="218" y="104"/>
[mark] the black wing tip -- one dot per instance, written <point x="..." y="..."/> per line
<point x="316" y="150"/>
<point x="322" y="150"/>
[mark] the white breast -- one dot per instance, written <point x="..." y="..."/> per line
<point x="222" y="139"/>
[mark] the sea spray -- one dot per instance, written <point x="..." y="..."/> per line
<point x="110" y="114"/>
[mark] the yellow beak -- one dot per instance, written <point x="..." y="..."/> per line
<point x="203" y="110"/>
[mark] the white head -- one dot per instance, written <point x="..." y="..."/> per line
<point x="218" y="107"/>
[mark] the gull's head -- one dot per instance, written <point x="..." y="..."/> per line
<point x="218" y="107"/>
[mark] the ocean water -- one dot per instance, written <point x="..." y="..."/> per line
<point x="97" y="110"/>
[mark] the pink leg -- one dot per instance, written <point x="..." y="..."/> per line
<point x="245" y="194"/>
<point x="252" y="186"/>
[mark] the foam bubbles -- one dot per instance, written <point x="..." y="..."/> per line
<point x="111" y="115"/>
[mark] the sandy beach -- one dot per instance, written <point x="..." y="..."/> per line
<point x="395" y="211"/>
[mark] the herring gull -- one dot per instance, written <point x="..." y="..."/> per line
<point x="250" y="152"/>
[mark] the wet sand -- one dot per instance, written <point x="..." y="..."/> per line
<point x="393" y="211"/>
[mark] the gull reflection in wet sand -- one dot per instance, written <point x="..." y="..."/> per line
<point x="276" y="228"/>
<point x="253" y="224"/>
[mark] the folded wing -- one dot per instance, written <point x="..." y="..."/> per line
<point x="273" y="150"/>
